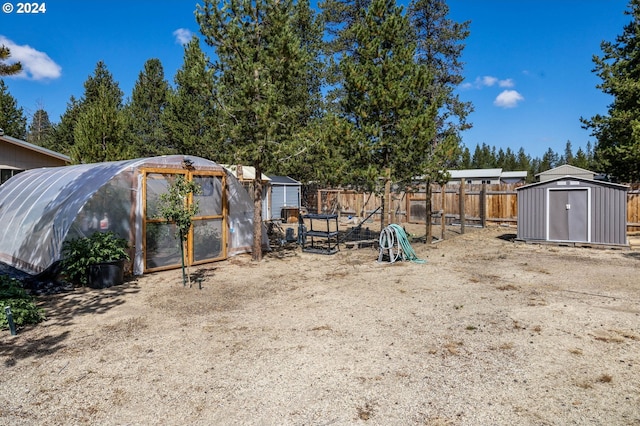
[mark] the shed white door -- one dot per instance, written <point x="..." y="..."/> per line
<point x="568" y="215"/>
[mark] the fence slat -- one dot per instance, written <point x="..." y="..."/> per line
<point x="495" y="203"/>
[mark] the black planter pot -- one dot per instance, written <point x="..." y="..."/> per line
<point x="106" y="274"/>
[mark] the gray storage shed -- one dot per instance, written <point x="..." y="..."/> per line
<point x="572" y="209"/>
<point x="285" y="194"/>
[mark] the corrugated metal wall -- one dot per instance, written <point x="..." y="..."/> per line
<point x="608" y="215"/>
<point x="532" y="207"/>
<point x="608" y="210"/>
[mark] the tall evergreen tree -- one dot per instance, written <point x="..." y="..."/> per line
<point x="483" y="157"/>
<point x="439" y="47"/>
<point x="523" y="161"/>
<point x="62" y="139"/>
<point x="567" y="157"/>
<point x="310" y="155"/>
<point x="8" y="69"/>
<point x="580" y="160"/>
<point x="99" y="132"/>
<point x="465" y="159"/>
<point x="309" y="29"/>
<point x="550" y="159"/>
<point x="149" y="98"/>
<point x="382" y="100"/>
<point x="618" y="133"/>
<point x="508" y="161"/>
<point x="40" y="129"/>
<point x="189" y="114"/>
<point x="259" y="64"/>
<point x="340" y="18"/>
<point x="12" y="119"/>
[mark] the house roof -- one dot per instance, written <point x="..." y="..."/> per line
<point x="475" y="173"/>
<point x="283" y="180"/>
<point x="35" y="148"/>
<point x="517" y="174"/>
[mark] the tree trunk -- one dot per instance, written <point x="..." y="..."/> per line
<point x="429" y="230"/>
<point x="184" y="274"/>
<point x="256" y="253"/>
<point x="385" y="200"/>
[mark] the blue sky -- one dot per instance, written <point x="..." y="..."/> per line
<point x="527" y="62"/>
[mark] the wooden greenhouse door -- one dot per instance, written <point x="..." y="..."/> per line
<point x="207" y="240"/>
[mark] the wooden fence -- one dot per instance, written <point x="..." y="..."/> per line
<point x="480" y="204"/>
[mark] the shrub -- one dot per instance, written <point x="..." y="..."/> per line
<point x="22" y="304"/>
<point x="100" y="247"/>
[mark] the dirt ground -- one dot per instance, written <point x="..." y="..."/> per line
<point x="486" y="331"/>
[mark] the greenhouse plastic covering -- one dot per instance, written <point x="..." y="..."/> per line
<point x="42" y="208"/>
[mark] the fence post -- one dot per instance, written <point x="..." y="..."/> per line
<point x="483" y="205"/>
<point x="461" y="200"/>
<point x="429" y="231"/>
<point x="443" y="216"/>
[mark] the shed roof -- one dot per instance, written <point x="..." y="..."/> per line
<point x="283" y="180"/>
<point x="559" y="178"/>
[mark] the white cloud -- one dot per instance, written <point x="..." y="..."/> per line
<point x="508" y="99"/>
<point x="36" y="65"/>
<point x="488" y="80"/>
<point x="506" y="83"/>
<point x="182" y="35"/>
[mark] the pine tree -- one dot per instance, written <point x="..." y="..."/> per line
<point x="310" y="153"/>
<point x="383" y="102"/>
<point x="580" y="160"/>
<point x="465" y="159"/>
<point x="12" y="119"/>
<point x="8" y="69"/>
<point x="508" y="161"/>
<point x="99" y="132"/>
<point x="309" y="29"/>
<point x="62" y="139"/>
<point x="144" y="113"/>
<point x="567" y="157"/>
<point x="259" y="64"/>
<point x="340" y="17"/>
<point x="483" y="157"/>
<point x="549" y="161"/>
<point x="439" y="47"/>
<point x="40" y="129"/>
<point x="189" y="115"/>
<point x="618" y="133"/>
<point x="523" y="162"/>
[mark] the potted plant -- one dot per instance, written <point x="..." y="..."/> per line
<point x="96" y="261"/>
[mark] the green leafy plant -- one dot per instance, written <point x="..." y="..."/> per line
<point x="79" y="253"/>
<point x="22" y="304"/>
<point x="176" y="207"/>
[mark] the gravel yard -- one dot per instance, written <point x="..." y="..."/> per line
<point x="487" y="331"/>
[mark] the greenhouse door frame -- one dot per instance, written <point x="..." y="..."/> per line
<point x="219" y="218"/>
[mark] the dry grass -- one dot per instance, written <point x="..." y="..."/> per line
<point x="485" y="332"/>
